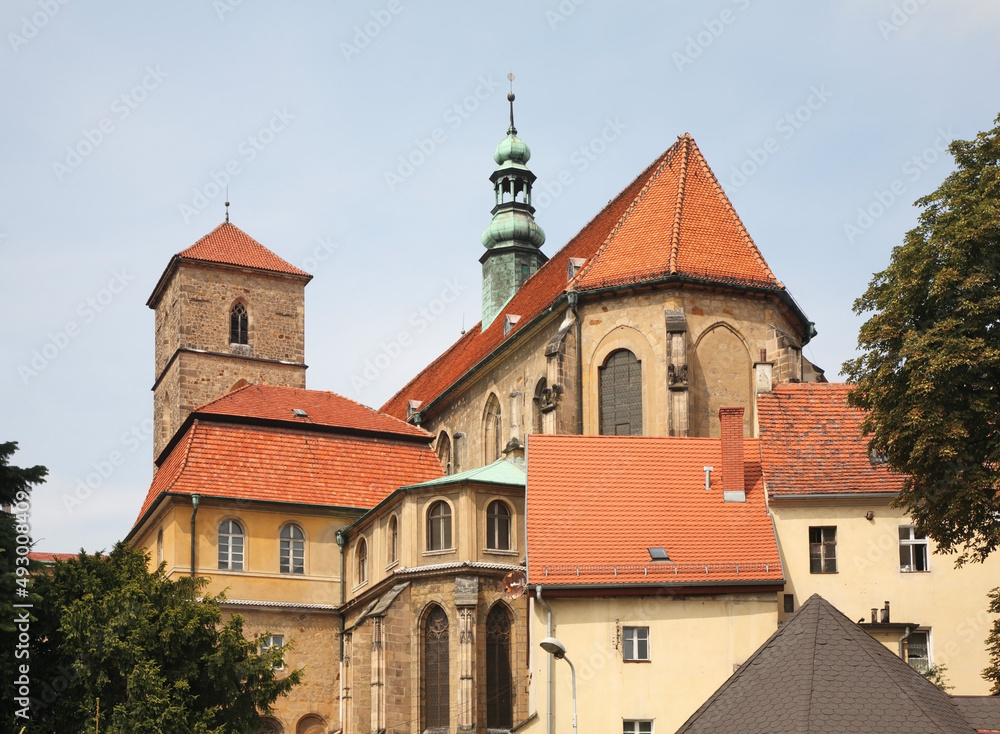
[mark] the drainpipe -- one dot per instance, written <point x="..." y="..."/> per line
<point x="195" y="498"/>
<point x="340" y="613"/>
<point x="549" y="714"/>
<point x="901" y="641"/>
<point x="571" y="298"/>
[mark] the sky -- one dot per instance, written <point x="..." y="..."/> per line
<point x="356" y="141"/>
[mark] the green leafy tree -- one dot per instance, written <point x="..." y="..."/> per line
<point x="15" y="498"/>
<point x="992" y="673"/>
<point x="156" y="652"/>
<point x="929" y="372"/>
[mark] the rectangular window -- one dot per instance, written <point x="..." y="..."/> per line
<point x="635" y="643"/>
<point x="912" y="550"/>
<point x="638" y="726"/>
<point x="918" y="650"/>
<point x="789" y="603"/>
<point x="270" y="641"/>
<point x="823" y="550"/>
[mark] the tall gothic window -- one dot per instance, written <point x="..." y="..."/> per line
<point x="238" y="325"/>
<point x="231" y="546"/>
<point x="492" y="431"/>
<point x="444" y="451"/>
<point x="437" y="713"/>
<point x="439" y="526"/>
<point x="499" y="681"/>
<point x="538" y="402"/>
<point x="293" y="550"/>
<point x="362" y="558"/>
<point x="393" y="540"/>
<point x="498" y="526"/>
<point x="621" y="395"/>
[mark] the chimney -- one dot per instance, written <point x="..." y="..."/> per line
<point x="731" y="423"/>
<point x="885" y="613"/>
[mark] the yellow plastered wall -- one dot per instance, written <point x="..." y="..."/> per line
<point x="950" y="602"/>
<point x="695" y="642"/>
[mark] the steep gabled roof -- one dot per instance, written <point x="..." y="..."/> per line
<point x="595" y="504"/>
<point x="294" y="465"/>
<point x="672" y="223"/>
<point x="227" y="244"/>
<point x="321" y="408"/>
<point x="820" y="672"/>
<point x="811" y="443"/>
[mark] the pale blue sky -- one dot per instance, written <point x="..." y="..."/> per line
<point x="184" y="89"/>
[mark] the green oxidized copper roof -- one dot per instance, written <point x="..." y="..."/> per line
<point x="513" y="149"/>
<point x="513" y="224"/>
<point x="502" y="471"/>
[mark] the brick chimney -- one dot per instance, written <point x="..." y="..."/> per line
<point x="731" y="422"/>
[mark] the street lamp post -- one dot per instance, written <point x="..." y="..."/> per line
<point x="558" y="650"/>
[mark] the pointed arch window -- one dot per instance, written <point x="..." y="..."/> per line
<point x="539" y="405"/>
<point x="620" y="398"/>
<point x="231" y="546"/>
<point x="444" y="451"/>
<point x="499" y="679"/>
<point x="492" y="430"/>
<point x="437" y="713"/>
<point x="498" y="526"/>
<point x="439" y="526"/>
<point x="362" y="559"/>
<point x="239" y="325"/>
<point x="293" y="550"/>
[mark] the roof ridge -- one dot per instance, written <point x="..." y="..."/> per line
<point x="664" y="160"/>
<point x="184" y="458"/>
<point x="224" y="395"/>
<point x="744" y="233"/>
<point x="675" y="234"/>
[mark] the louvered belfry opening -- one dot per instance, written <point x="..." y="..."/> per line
<point x="621" y="395"/>
<point x="499" y="682"/>
<point x="436" y="704"/>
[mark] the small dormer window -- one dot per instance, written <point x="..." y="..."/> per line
<point x="509" y="320"/>
<point x="239" y="323"/>
<point x="573" y="267"/>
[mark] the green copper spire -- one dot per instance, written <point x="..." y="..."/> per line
<point x="513" y="239"/>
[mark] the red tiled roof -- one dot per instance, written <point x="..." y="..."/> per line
<point x="280" y="464"/>
<point x="327" y="409"/>
<point x="596" y="503"/>
<point x="811" y="443"/>
<point x="51" y="557"/>
<point x="229" y="245"/>
<point x="672" y="220"/>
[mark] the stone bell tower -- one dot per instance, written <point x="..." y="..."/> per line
<point x="512" y="240"/>
<point x="229" y="312"/>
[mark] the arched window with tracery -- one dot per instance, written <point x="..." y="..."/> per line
<point x="439" y="526"/>
<point x="231" y="546"/>
<point x="492" y="431"/>
<point x="436" y="708"/>
<point x="444" y="451"/>
<point x="498" y="526"/>
<point x="620" y="388"/>
<point x="239" y="325"/>
<point x="499" y="679"/>
<point x="362" y="559"/>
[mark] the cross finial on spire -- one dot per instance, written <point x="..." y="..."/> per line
<point x="510" y="98"/>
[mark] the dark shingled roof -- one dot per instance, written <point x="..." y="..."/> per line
<point x="983" y="712"/>
<point x="820" y="672"/>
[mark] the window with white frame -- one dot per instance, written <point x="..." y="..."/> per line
<point x="266" y="643"/>
<point x="635" y="643"/>
<point x="293" y="550"/>
<point x="918" y="649"/>
<point x="231" y="546"/>
<point x="637" y="726"/>
<point x="823" y="550"/>
<point x="913" y="550"/>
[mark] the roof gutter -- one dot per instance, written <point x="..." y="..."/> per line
<point x="833" y="496"/>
